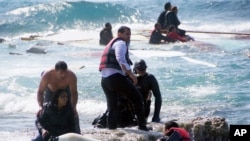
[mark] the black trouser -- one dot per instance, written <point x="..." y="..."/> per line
<point x="116" y="85"/>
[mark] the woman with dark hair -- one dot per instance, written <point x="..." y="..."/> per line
<point x="56" y="118"/>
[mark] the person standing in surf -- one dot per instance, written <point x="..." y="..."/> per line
<point x="115" y="68"/>
<point x="106" y="34"/>
<point x="161" y="18"/>
<point x="171" y="18"/>
<point x="59" y="77"/>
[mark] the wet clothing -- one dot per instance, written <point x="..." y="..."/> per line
<point x="147" y="83"/>
<point x="56" y="122"/>
<point x="156" y="37"/>
<point x="172" y="19"/>
<point x="114" y="84"/>
<point x="49" y="95"/>
<point x="176" y="134"/>
<point x="161" y="18"/>
<point x="106" y="36"/>
<point x="176" y="37"/>
<point x="118" y="85"/>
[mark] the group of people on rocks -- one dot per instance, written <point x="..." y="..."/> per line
<point x="123" y="87"/>
<point x="57" y="93"/>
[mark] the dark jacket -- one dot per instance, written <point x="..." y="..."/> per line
<point x="156" y="37"/>
<point x="106" y="35"/>
<point x="56" y="122"/>
<point x="171" y="19"/>
<point x="161" y="18"/>
<point x="145" y="84"/>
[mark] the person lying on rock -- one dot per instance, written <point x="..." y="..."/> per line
<point x="172" y="132"/>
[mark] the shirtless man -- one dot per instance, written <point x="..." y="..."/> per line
<point x="58" y="78"/>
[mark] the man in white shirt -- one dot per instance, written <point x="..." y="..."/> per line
<point x="115" y="67"/>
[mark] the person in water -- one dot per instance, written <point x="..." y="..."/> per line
<point x="172" y="19"/>
<point x="161" y="18"/>
<point x="147" y="84"/>
<point x="174" y="36"/>
<point x="59" y="77"/>
<point x="115" y="68"/>
<point x="106" y="34"/>
<point x="172" y="132"/>
<point x="156" y="36"/>
<point x="56" y="118"/>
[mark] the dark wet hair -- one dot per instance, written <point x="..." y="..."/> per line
<point x="170" y="124"/>
<point x="140" y="65"/>
<point x="61" y="65"/>
<point x="123" y="28"/>
<point x="56" y="96"/>
<point x="107" y="25"/>
<point x="167" y="5"/>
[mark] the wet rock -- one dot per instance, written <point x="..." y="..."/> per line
<point x="36" y="50"/>
<point x="200" y="129"/>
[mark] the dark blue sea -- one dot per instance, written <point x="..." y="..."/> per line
<point x="209" y="77"/>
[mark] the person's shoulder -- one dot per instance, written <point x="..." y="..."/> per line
<point x="119" y="43"/>
<point x="47" y="74"/>
<point x="71" y="74"/>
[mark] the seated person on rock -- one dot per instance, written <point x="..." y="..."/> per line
<point x="56" y="118"/>
<point x="172" y="132"/>
<point x="156" y="36"/>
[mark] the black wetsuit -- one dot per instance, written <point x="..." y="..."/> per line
<point x="156" y="37"/>
<point x="105" y="36"/>
<point x="49" y="95"/>
<point x="145" y="84"/>
<point x="55" y="122"/>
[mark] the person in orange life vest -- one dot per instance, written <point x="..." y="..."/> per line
<point x="173" y="132"/>
<point x="115" y="68"/>
<point x="156" y="36"/>
<point x="174" y="36"/>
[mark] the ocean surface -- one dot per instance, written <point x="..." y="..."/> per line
<point x="209" y="77"/>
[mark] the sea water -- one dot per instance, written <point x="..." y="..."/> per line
<point x="209" y="77"/>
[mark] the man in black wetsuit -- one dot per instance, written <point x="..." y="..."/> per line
<point x="161" y="18"/>
<point x="148" y="84"/>
<point x="106" y="34"/>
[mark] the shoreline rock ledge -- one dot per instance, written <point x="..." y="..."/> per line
<point x="200" y="129"/>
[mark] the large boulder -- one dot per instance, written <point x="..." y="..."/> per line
<point x="200" y="129"/>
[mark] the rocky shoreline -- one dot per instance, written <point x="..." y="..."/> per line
<point x="200" y="129"/>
